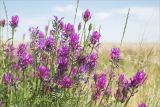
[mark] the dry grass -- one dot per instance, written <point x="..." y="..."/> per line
<point x="135" y="56"/>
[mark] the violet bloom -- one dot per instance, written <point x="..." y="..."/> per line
<point x="91" y="61"/>
<point x="25" y="61"/>
<point x="86" y="15"/>
<point x="74" y="71"/>
<point x="43" y="72"/>
<point x="96" y="95"/>
<point x="74" y="40"/>
<point x="138" y="79"/>
<point x="68" y="29"/>
<point x="62" y="65"/>
<point x="122" y="81"/>
<point x="21" y="50"/>
<point x="40" y="34"/>
<point x="7" y="78"/>
<point x="100" y="81"/>
<point x="2" y="22"/>
<point x="41" y="44"/>
<point x="63" y="51"/>
<point x="121" y="95"/>
<point x="82" y="69"/>
<point x="65" y="82"/>
<point x="14" y="21"/>
<point x="115" y="54"/>
<point x="95" y="37"/>
<point x="49" y="43"/>
<point x="123" y="89"/>
<point x="142" y="105"/>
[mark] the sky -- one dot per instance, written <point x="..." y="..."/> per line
<point x="143" y="24"/>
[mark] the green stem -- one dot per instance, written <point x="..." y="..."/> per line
<point x="128" y="100"/>
<point x="12" y="35"/>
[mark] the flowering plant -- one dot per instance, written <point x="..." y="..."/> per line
<point x="59" y="68"/>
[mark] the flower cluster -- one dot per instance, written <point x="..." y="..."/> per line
<point x="65" y="82"/>
<point x="43" y="72"/>
<point x="60" y="65"/>
<point x="14" y="21"/>
<point x="125" y="86"/>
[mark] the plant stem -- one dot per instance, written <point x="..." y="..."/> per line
<point x="12" y="35"/>
<point x="125" y="27"/>
<point x="128" y="98"/>
<point x="76" y="11"/>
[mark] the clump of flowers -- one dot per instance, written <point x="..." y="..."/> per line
<point x="59" y="68"/>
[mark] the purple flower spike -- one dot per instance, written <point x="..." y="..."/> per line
<point x="68" y="29"/>
<point x="115" y="54"/>
<point x="2" y="22"/>
<point x="65" y="82"/>
<point x="95" y="37"/>
<point x="43" y="72"/>
<point x="74" y="40"/>
<point x="25" y="61"/>
<point x="86" y="15"/>
<point x="138" y="79"/>
<point x="22" y="50"/>
<point x="142" y="105"/>
<point x="63" y="51"/>
<point x="7" y="78"/>
<point x="14" y="21"/>
<point x="101" y="81"/>
<point x="49" y="43"/>
<point x="91" y="61"/>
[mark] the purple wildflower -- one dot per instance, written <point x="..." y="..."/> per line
<point x="115" y="54"/>
<point x="86" y="15"/>
<point x="74" y="40"/>
<point x="142" y="105"/>
<point x="138" y="79"/>
<point x="2" y="22"/>
<point x="82" y="69"/>
<point x="25" y="61"/>
<point x="122" y="81"/>
<point x="91" y="61"/>
<point x="43" y="72"/>
<point x="65" y="82"/>
<point x="68" y="29"/>
<point x="95" y="37"/>
<point x="7" y="78"/>
<point x="63" y="51"/>
<point x="21" y="50"/>
<point x="14" y="21"/>
<point x="74" y="71"/>
<point x="123" y="89"/>
<point x="100" y="81"/>
<point x="62" y="65"/>
<point x="49" y="43"/>
<point x="41" y="44"/>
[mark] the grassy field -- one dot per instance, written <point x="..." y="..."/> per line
<point x="135" y="56"/>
